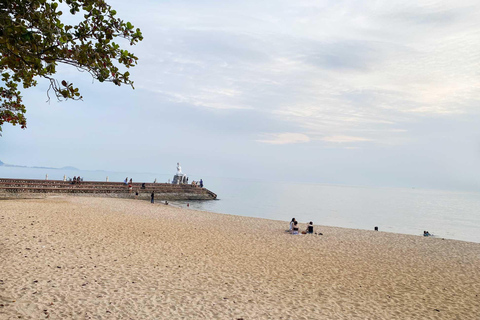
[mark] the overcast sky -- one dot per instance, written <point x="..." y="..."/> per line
<point x="354" y="92"/>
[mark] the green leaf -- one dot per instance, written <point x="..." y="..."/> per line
<point x="26" y="56"/>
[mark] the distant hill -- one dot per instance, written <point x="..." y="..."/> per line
<point x="69" y="168"/>
<point x="17" y="166"/>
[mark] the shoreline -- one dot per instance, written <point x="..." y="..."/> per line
<point x="175" y="204"/>
<point x="81" y="257"/>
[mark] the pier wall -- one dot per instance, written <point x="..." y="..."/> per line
<point x="29" y="188"/>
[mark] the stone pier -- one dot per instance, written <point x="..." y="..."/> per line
<point x="30" y="188"/>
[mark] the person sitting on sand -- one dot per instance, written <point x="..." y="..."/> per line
<point x="309" y="229"/>
<point x="291" y="225"/>
<point x="295" y="227"/>
<point x="426" y="234"/>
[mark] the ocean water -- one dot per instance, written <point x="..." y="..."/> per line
<point x="446" y="214"/>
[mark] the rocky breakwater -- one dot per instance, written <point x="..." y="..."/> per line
<point x="29" y="188"/>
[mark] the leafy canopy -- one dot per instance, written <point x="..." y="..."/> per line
<point x="34" y="41"/>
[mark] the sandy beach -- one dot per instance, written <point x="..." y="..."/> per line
<point x="101" y="258"/>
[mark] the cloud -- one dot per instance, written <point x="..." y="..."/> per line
<point x="208" y="98"/>
<point x="337" y="68"/>
<point x="310" y="75"/>
<point x="345" y="54"/>
<point x="284" y="138"/>
<point x="440" y="14"/>
<point x="344" y="139"/>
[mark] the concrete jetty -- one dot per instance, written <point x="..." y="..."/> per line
<point x="31" y="188"/>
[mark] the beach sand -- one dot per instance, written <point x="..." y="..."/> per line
<point x="101" y="258"/>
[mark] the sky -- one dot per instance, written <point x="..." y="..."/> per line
<point x="381" y="93"/>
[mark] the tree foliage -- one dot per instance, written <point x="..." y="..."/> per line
<point x="34" y="41"/>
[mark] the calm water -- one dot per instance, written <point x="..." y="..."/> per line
<point x="447" y="214"/>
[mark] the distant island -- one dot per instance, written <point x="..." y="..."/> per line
<point x="3" y="164"/>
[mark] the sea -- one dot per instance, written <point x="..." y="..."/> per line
<point x="446" y="214"/>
